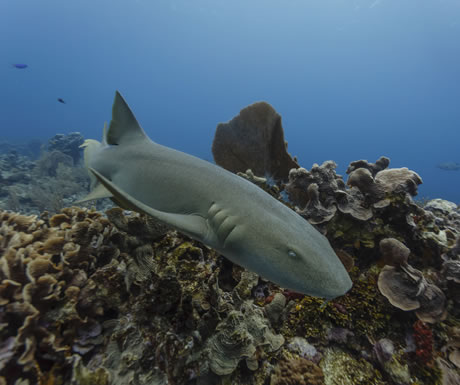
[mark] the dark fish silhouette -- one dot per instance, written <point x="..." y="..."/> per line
<point x="60" y="100"/>
<point x="20" y="66"/>
<point x="449" y="166"/>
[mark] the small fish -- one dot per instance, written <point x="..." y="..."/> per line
<point x="449" y="166"/>
<point x="60" y="100"/>
<point x="20" y="66"/>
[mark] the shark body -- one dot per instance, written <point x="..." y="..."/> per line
<point x="213" y="206"/>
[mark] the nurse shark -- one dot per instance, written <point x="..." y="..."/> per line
<point x="212" y="205"/>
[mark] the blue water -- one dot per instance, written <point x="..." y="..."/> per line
<point x="352" y="79"/>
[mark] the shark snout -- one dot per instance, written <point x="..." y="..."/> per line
<point x="339" y="284"/>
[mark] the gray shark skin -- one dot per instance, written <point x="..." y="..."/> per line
<point x="213" y="206"/>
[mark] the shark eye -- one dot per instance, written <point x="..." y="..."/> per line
<point x="292" y="254"/>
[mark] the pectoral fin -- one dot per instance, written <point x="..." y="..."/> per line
<point x="97" y="193"/>
<point x="191" y="224"/>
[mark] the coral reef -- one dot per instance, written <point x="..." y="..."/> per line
<point x="406" y="287"/>
<point x="238" y="337"/>
<point x="30" y="149"/>
<point x="49" y="162"/>
<point x="14" y="169"/>
<point x="297" y="371"/>
<point x="44" y="272"/>
<point x="424" y="342"/>
<point x="340" y="368"/>
<point x="67" y="144"/>
<point x="396" y="250"/>
<point x="77" y="304"/>
<point x="51" y="182"/>
<point x="319" y="193"/>
<point x="389" y="359"/>
<point x="116" y="298"/>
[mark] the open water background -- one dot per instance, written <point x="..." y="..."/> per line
<point x="352" y="79"/>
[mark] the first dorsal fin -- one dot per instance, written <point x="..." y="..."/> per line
<point x="124" y="127"/>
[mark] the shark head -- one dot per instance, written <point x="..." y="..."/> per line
<point x="294" y="254"/>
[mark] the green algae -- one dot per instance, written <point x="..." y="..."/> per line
<point x="363" y="310"/>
